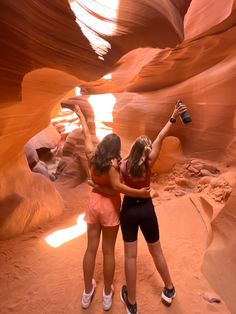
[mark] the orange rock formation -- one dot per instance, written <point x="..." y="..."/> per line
<point x="159" y="51"/>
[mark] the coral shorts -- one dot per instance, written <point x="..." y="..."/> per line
<point x="103" y="210"/>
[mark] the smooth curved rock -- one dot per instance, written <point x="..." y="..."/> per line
<point x="219" y="261"/>
<point x="27" y="200"/>
<point x="44" y="56"/>
<point x="170" y="154"/>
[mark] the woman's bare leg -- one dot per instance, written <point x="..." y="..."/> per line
<point x="130" y="249"/>
<point x="160" y="263"/>
<point x="93" y="238"/>
<point x="109" y="235"/>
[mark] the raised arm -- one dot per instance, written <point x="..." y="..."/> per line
<point x="73" y="104"/>
<point x="156" y="146"/>
<point x="122" y="188"/>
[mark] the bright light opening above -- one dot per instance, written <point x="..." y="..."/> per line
<point x="102" y="106"/>
<point x="78" y="91"/>
<point x="102" y="22"/>
<point x="58" y="238"/>
<point x="103" y="111"/>
<point x="107" y="76"/>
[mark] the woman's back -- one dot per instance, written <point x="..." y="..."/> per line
<point x="136" y="183"/>
<point x="100" y="179"/>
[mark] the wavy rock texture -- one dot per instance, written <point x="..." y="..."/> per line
<point x="219" y="261"/>
<point x="155" y="58"/>
<point x="37" y="52"/>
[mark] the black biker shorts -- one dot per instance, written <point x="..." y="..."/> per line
<point x="135" y="213"/>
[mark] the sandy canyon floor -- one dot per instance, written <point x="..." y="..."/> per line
<point x="36" y="278"/>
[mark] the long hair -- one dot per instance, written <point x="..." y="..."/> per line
<point x="138" y="156"/>
<point x="108" y="149"/>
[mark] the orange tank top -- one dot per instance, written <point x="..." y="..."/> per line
<point x="101" y="179"/>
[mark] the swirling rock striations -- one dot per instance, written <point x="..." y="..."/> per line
<point x="159" y="51"/>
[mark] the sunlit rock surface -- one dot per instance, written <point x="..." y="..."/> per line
<point x="159" y="51"/>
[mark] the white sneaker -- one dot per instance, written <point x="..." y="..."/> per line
<point x="87" y="297"/>
<point x="168" y="295"/>
<point x="107" y="299"/>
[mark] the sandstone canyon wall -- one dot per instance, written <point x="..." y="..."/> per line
<point x="172" y="49"/>
<point x="44" y="55"/>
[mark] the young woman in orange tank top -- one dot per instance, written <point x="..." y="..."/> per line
<point x="103" y="212"/>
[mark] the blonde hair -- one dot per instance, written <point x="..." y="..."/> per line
<point x="138" y="155"/>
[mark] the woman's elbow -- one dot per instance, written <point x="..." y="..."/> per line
<point x="116" y="187"/>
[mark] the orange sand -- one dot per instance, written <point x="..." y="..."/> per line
<point x="36" y="278"/>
